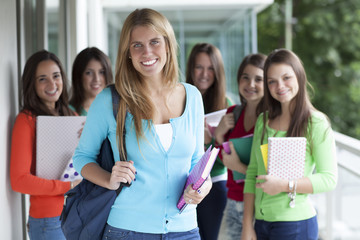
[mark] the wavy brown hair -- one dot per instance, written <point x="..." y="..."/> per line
<point x="31" y="101"/>
<point x="300" y="104"/>
<point x="214" y="98"/>
<point x="129" y="82"/>
<point x="78" y="69"/>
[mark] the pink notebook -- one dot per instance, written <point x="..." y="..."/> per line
<point x="199" y="173"/>
<point x="286" y="157"/>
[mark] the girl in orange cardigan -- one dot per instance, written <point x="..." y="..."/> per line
<point x="44" y="93"/>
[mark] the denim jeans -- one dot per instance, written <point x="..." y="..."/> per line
<point x="45" y="228"/>
<point x="231" y="227"/>
<point x="112" y="233"/>
<point x="298" y="230"/>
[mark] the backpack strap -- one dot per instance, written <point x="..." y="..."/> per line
<point x="115" y="99"/>
<point x="237" y="111"/>
<point x="115" y="102"/>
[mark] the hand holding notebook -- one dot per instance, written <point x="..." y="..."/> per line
<point x="199" y="173"/>
<point x="243" y="148"/>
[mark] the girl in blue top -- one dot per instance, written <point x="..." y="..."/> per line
<point x="164" y="125"/>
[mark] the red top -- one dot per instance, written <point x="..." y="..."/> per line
<point x="235" y="190"/>
<point x="46" y="196"/>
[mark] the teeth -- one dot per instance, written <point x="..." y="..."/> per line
<point x="51" y="92"/>
<point x="95" y="86"/>
<point x="251" y="91"/>
<point x="283" y="92"/>
<point x="150" y="62"/>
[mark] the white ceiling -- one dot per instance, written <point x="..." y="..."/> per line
<point x="200" y="18"/>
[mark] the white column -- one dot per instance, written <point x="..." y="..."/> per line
<point x="96" y="25"/>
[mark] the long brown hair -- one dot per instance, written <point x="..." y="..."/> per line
<point x="129" y="82"/>
<point x="256" y="60"/>
<point x="78" y="68"/>
<point x="300" y="104"/>
<point x="214" y="98"/>
<point x="31" y="101"/>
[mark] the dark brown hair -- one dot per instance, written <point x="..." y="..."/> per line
<point x="300" y="104"/>
<point x="78" y="68"/>
<point x="257" y="60"/>
<point x="214" y="98"/>
<point x="31" y="101"/>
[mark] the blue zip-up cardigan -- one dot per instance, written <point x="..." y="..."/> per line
<point x="149" y="205"/>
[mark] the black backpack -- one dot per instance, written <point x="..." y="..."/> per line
<point x="237" y="111"/>
<point x="87" y="206"/>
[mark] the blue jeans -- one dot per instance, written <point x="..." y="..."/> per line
<point x="232" y="220"/>
<point x="45" y="228"/>
<point x="112" y="233"/>
<point x="298" y="230"/>
<point x="210" y="211"/>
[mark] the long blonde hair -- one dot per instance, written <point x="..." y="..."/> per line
<point x="129" y="82"/>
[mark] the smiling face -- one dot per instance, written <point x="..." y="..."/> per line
<point x="93" y="79"/>
<point x="204" y="73"/>
<point x="148" y="52"/>
<point x="48" y="83"/>
<point x="251" y="85"/>
<point x="282" y="82"/>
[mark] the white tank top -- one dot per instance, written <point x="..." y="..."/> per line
<point x="165" y="133"/>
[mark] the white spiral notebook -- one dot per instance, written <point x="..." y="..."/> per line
<point x="56" y="140"/>
<point x="286" y="157"/>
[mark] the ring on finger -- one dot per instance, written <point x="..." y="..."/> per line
<point x="190" y="201"/>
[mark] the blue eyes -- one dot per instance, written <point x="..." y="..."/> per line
<point x="153" y="42"/>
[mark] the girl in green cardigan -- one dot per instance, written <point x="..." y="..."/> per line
<point x="290" y="114"/>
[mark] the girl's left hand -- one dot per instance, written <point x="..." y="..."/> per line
<point x="192" y="196"/>
<point x="232" y="160"/>
<point x="272" y="185"/>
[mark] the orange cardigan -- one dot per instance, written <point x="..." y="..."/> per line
<point x="46" y="196"/>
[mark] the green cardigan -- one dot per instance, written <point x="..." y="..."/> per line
<point x="82" y="113"/>
<point x="320" y="154"/>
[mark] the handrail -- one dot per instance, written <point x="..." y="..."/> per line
<point x="350" y="169"/>
<point x="348" y="143"/>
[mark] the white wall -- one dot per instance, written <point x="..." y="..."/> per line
<point x="10" y="202"/>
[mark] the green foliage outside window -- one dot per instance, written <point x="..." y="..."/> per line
<point x="326" y="36"/>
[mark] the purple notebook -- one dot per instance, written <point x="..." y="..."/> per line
<point x="199" y="173"/>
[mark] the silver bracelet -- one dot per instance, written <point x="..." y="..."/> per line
<point x="292" y="196"/>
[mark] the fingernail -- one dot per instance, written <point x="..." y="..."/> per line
<point x="256" y="176"/>
<point x="198" y="191"/>
<point x="135" y="172"/>
<point x="134" y="179"/>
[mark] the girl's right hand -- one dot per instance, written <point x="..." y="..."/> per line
<point x="122" y="172"/>
<point x="226" y="123"/>
<point x="248" y="233"/>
